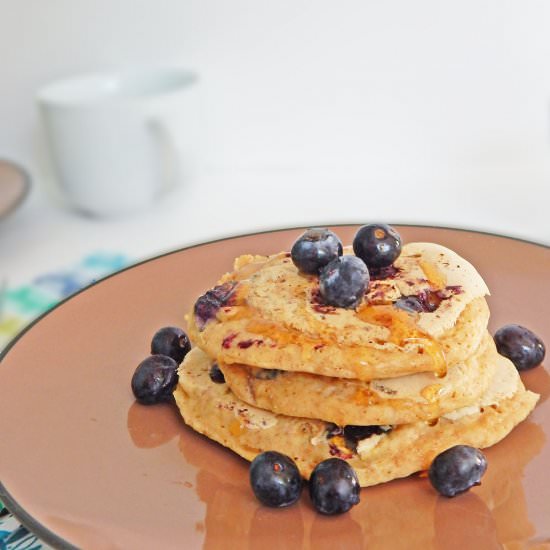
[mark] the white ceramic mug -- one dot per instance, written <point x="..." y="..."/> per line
<point x="110" y="139"/>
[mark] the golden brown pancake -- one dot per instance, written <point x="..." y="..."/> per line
<point x="402" y="400"/>
<point x="213" y="410"/>
<point x="267" y="314"/>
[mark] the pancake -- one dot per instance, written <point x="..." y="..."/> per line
<point x="213" y="410"/>
<point x="267" y="314"/>
<point x="402" y="400"/>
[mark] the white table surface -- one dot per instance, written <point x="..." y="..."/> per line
<point x="45" y="235"/>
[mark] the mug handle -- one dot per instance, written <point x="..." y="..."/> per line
<point x="167" y="152"/>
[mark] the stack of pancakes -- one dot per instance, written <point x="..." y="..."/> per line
<point x="386" y="386"/>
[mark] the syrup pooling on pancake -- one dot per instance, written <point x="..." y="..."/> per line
<point x="403" y="330"/>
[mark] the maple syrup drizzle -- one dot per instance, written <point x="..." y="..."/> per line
<point x="403" y="329"/>
<point x="236" y="428"/>
<point x="435" y="277"/>
<point x="365" y="397"/>
<point x="431" y="393"/>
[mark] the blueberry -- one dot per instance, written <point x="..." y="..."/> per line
<point x="333" y="486"/>
<point x="425" y="301"/>
<point x="155" y="379"/>
<point x="333" y="430"/>
<point x="524" y="348"/>
<point x="208" y="305"/>
<point x="171" y="341"/>
<point x="354" y="434"/>
<point x="315" y="249"/>
<point x="411" y="304"/>
<point x="267" y="374"/>
<point x="275" y="479"/>
<point x="377" y="244"/>
<point x="457" y="469"/>
<point x="343" y="282"/>
<point x="216" y="375"/>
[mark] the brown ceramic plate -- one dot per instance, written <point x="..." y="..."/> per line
<point x="82" y="465"/>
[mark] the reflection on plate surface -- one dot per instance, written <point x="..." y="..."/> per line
<point x="100" y="470"/>
<point x="492" y="515"/>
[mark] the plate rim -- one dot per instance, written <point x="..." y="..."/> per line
<point x="24" y="517"/>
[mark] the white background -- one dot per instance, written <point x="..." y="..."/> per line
<point x="305" y="113"/>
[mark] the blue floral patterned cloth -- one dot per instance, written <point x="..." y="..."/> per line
<point x="13" y="536"/>
<point x="18" y="307"/>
